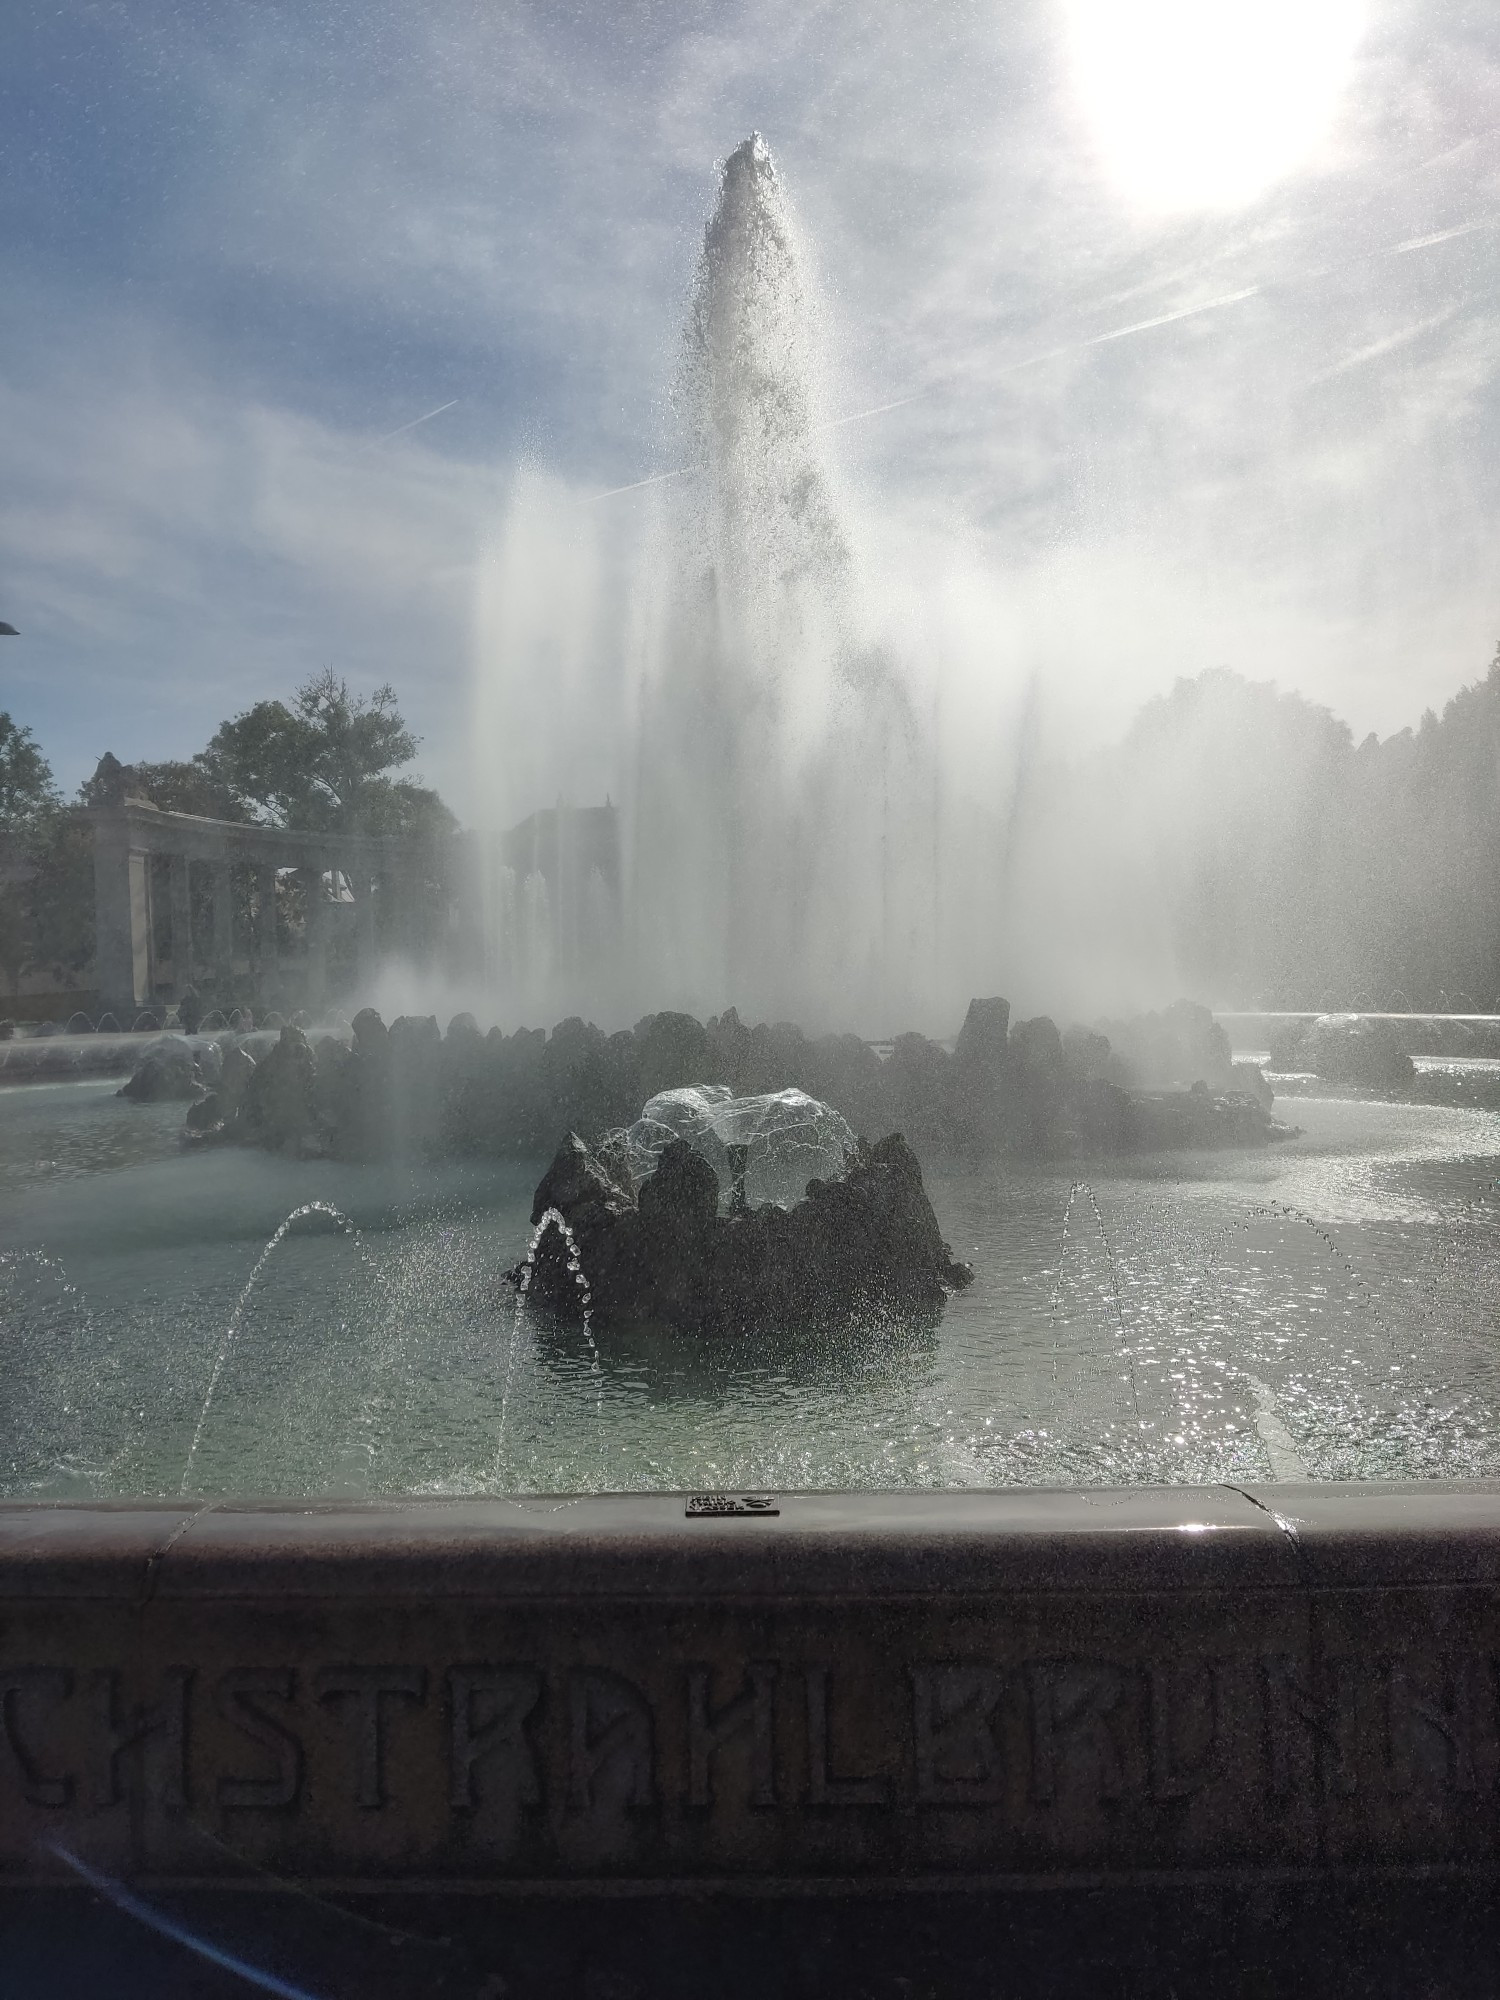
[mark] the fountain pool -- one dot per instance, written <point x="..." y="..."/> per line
<point x="1324" y="1307"/>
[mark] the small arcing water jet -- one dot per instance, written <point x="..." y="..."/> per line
<point x="233" y="1327"/>
<point x="551" y="1218"/>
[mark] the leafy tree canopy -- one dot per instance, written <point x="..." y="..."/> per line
<point x="28" y="795"/>
<point x="172" y="786"/>
<point x="325" y="762"/>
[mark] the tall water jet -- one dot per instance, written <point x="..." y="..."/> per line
<point x="780" y="766"/>
<point x="782" y="828"/>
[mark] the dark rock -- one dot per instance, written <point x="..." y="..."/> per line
<point x="1102" y="1116"/>
<point x="865" y="1243"/>
<point x="1087" y="1054"/>
<point x="415" y="1031"/>
<point x="173" y="1069"/>
<point x="1364" y="1053"/>
<point x="671" y="1049"/>
<point x="206" y="1115"/>
<point x="981" y="1043"/>
<point x="1035" y="1079"/>
<point x="591" y="1079"/>
<point x="847" y="1073"/>
<point x="1183" y="1044"/>
<point x="1251" y="1083"/>
<point x="189" y="1011"/>
<point x="368" y="1029"/>
<point x="279" y="1105"/>
<point x="919" y="1092"/>
<point x="1197" y="1118"/>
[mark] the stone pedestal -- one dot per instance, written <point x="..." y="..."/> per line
<point x="265" y="921"/>
<point x="122" y="914"/>
<point x="181" y="910"/>
<point x="315" y="891"/>
<point x="223" y="890"/>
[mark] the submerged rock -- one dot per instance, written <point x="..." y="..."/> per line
<point x="1363" y="1051"/>
<point x="173" y="1069"/>
<point x="866" y="1242"/>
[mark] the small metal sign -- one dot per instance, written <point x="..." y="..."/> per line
<point x="703" y="1505"/>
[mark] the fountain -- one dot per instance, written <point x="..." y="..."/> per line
<point x="1041" y="1679"/>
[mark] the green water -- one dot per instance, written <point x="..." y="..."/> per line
<point x="1203" y="1322"/>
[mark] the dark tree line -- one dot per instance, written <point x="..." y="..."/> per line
<point x="1242" y="834"/>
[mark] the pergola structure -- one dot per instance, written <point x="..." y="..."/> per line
<point x="383" y="875"/>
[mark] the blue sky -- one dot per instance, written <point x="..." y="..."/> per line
<point x="243" y="244"/>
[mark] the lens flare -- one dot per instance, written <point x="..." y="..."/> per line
<point x="1198" y="104"/>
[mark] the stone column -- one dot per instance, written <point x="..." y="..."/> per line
<point x="122" y="914"/>
<point x="223" y="927"/>
<point x="316" y="931"/>
<point x="265" y="919"/>
<point x="364" y="918"/>
<point x="182" y="923"/>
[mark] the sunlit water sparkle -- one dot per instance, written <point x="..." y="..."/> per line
<point x="1164" y="1319"/>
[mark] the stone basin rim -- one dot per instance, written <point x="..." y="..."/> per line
<point x="882" y="1543"/>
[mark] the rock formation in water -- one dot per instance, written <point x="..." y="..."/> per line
<point x="1020" y="1088"/>
<point x="1362" y="1050"/>
<point x="866" y="1242"/>
<point x="174" y="1069"/>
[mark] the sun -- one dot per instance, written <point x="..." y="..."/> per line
<point x="1203" y="104"/>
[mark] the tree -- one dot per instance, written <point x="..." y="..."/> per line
<point x="173" y="786"/>
<point x="324" y="763"/>
<point x="38" y="861"/>
<point x="27" y="790"/>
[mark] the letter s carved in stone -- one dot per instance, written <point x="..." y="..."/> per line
<point x="237" y="1698"/>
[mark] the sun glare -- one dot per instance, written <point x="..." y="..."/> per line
<point x="1204" y="103"/>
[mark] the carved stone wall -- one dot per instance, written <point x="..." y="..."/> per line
<point x="909" y="1690"/>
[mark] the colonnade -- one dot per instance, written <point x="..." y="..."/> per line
<point x="143" y="951"/>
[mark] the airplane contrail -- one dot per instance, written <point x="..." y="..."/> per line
<point x="1438" y="236"/>
<point x="636" y="484"/>
<point x="1079" y="346"/>
<point x="412" y="425"/>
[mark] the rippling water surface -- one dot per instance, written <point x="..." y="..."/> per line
<point x="1327" y="1306"/>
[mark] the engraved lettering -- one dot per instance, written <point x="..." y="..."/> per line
<point x="958" y="1760"/>
<point x="1418" y="1727"/>
<point x="610" y="1736"/>
<point x="751" y="1714"/>
<point x="1071" y="1701"/>
<point x="158" y="1733"/>
<point x="368" y="1690"/>
<point x="16" y="1684"/>
<point x="822" y="1788"/>
<point x="1180" y="1696"/>
<point x="488" y="1708"/>
<point x="1323" y="1733"/>
<point x="237" y="1698"/>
